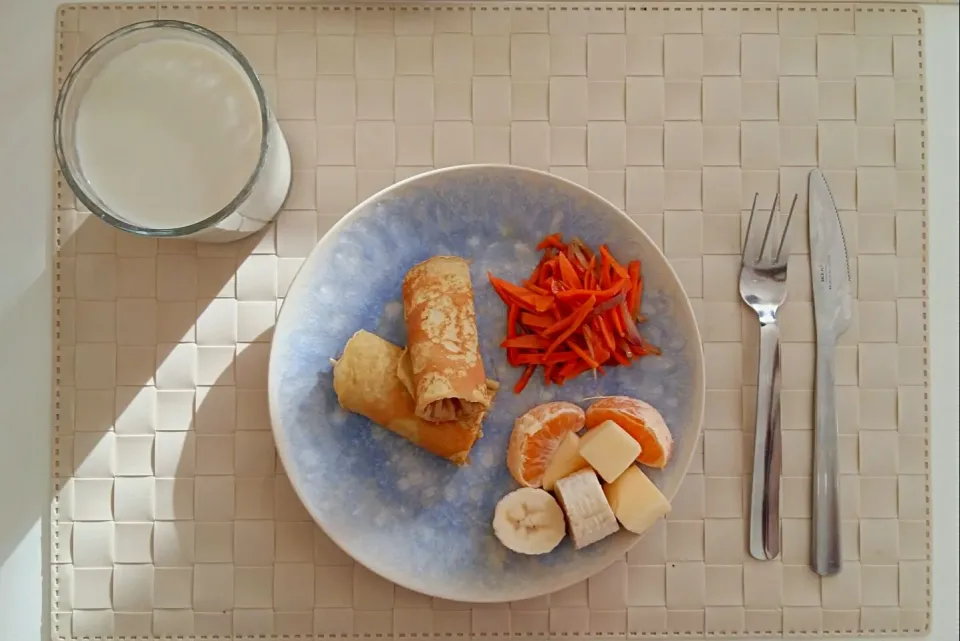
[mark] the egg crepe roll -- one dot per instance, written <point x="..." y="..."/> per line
<point x="405" y="374"/>
<point x="446" y="368"/>
<point x="366" y="382"/>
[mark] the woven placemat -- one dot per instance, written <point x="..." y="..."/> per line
<point x="171" y="516"/>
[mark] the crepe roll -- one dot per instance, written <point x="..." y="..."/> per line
<point x="366" y="382"/>
<point x="446" y="368"/>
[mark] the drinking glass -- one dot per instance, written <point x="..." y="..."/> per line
<point x="257" y="202"/>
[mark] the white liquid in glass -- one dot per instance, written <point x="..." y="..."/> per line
<point x="168" y="133"/>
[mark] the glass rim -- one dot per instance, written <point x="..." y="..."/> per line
<point x="83" y="193"/>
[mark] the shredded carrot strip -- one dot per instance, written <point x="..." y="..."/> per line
<point x="578" y="319"/>
<point x="502" y="294"/>
<point x="603" y="355"/>
<point x="529" y="341"/>
<point x="553" y="240"/>
<point x="590" y="279"/>
<point x="548" y="372"/>
<point x="605" y="333"/>
<point x="524" y="379"/>
<point x="634" y="293"/>
<point x="583" y="355"/>
<point x="559" y="357"/>
<point x="572" y="370"/>
<point x="512" y="316"/>
<point x="568" y="272"/>
<point x="593" y="344"/>
<point x="614" y="318"/>
<point x="536" y="321"/>
<point x="566" y="370"/>
<point x="601" y="296"/>
<point x="547" y="273"/>
<point x="558" y="326"/>
<point x="522" y="297"/>
<point x="617" y="267"/>
<point x="570" y="316"/>
<point x="528" y="359"/>
<point x="536" y="289"/>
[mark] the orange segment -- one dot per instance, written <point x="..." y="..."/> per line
<point x="641" y="421"/>
<point x="536" y="436"/>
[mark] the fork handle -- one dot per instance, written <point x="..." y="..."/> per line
<point x="825" y="551"/>
<point x="765" y="490"/>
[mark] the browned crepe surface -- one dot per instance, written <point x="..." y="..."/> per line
<point x="366" y="382"/>
<point x="405" y="374"/>
<point x="446" y="369"/>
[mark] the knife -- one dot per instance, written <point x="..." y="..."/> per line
<point x="833" y="311"/>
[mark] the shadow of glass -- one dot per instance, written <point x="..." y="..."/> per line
<point x="176" y="517"/>
<point x="130" y="325"/>
<point x="233" y="549"/>
<point x="161" y="369"/>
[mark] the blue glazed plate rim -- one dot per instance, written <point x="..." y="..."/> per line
<point x="625" y="540"/>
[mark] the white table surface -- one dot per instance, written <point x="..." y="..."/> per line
<point x="26" y="162"/>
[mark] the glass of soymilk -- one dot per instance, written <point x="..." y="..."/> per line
<point x="162" y="129"/>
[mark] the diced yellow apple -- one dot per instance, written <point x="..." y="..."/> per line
<point x="636" y="501"/>
<point x="609" y="450"/>
<point x="566" y="460"/>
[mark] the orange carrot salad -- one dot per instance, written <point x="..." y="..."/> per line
<point x="577" y="312"/>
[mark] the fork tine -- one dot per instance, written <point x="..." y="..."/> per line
<point x="786" y="227"/>
<point x="746" y="238"/>
<point x="766" y="232"/>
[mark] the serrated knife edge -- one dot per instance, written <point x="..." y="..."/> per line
<point x="832" y="295"/>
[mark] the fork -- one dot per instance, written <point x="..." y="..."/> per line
<point x="763" y="287"/>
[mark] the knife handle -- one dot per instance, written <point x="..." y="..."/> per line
<point x="765" y="488"/>
<point x="825" y="546"/>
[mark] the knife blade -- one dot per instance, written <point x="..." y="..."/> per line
<point x="833" y="312"/>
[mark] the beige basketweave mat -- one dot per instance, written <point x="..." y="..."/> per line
<point x="172" y="518"/>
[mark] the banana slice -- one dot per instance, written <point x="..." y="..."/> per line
<point x="588" y="513"/>
<point x="529" y="521"/>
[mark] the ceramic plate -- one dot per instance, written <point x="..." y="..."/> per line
<point x="415" y="519"/>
